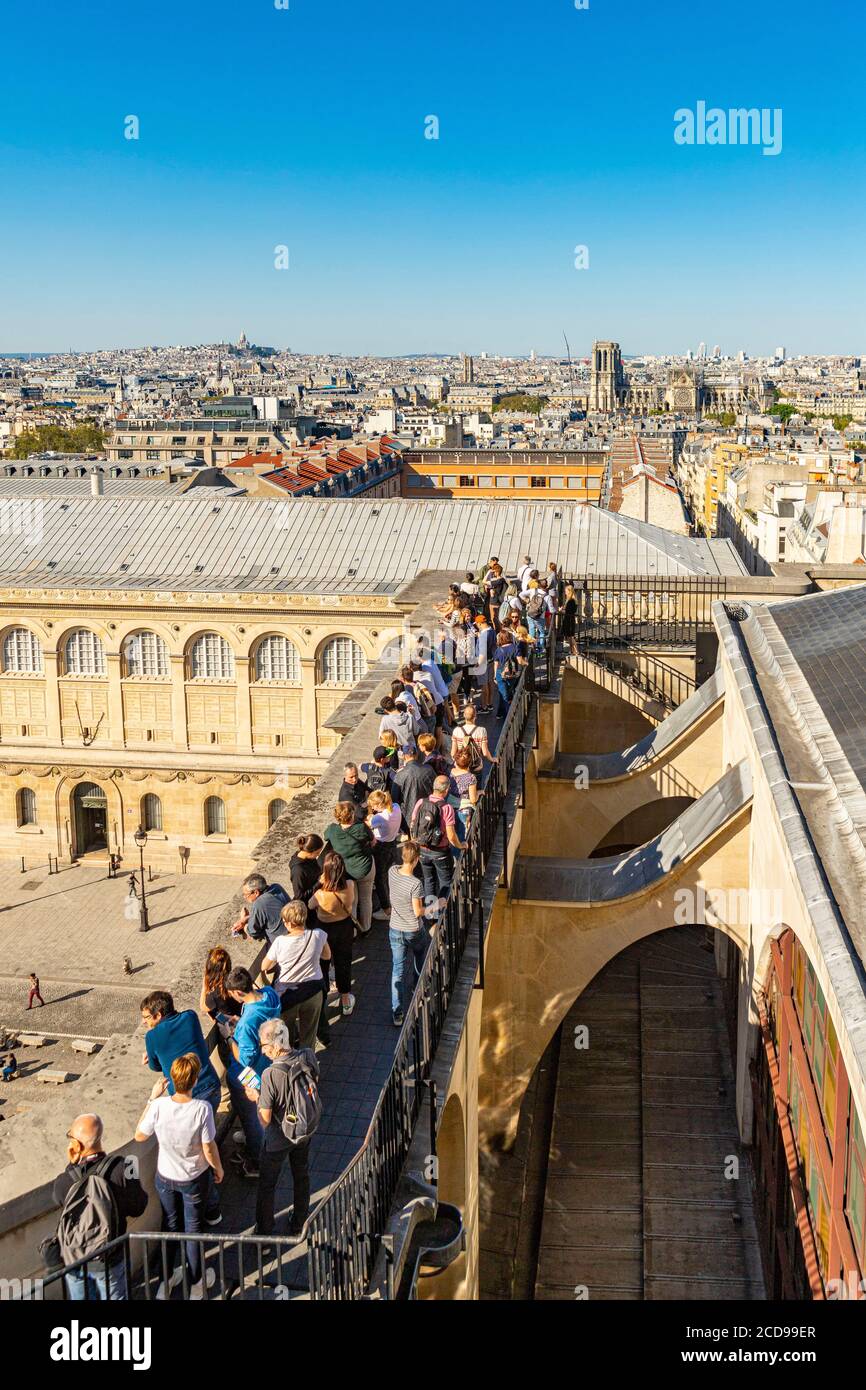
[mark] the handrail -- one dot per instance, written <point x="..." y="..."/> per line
<point x="655" y="678"/>
<point x="345" y="1228"/>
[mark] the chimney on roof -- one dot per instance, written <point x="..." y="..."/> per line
<point x="96" y="488"/>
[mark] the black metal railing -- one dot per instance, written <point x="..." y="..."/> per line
<point x="345" y="1230"/>
<point x="636" y="612"/>
<point x="658" y="680"/>
<point x="141" y="1265"/>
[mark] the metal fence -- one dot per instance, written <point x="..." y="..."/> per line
<point x="637" y="611"/>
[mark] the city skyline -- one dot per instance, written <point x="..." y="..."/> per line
<point x="551" y="137"/>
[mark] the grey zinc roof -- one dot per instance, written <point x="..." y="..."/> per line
<point x="365" y="546"/>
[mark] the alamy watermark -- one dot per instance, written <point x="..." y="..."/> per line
<point x="735" y="907"/>
<point x="737" y="126"/>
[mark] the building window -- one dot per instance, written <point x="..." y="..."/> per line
<point x="215" y="816"/>
<point x="151" y="812"/>
<point x="502" y="482"/>
<point x="575" y="483"/>
<point x="465" y="480"/>
<point x="343" y="662"/>
<point x="22" y="651"/>
<point x="537" y="482"/>
<point x="145" y="654"/>
<point x="277" y="659"/>
<point x="211" y="658"/>
<point x="84" y="654"/>
<point x="25" y="805"/>
<point x="277" y="808"/>
<point x="124" y="453"/>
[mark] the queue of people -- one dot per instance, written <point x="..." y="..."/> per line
<point x="388" y="855"/>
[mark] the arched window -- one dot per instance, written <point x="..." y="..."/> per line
<point x="84" y="654"/>
<point x="343" y="662"/>
<point x="215" y="816"/>
<point x="211" y="658"/>
<point x="145" y="654"/>
<point x="151" y="812"/>
<point x="21" y="651"/>
<point x="25" y="805"/>
<point x="277" y="659"/>
<point x="277" y="808"/>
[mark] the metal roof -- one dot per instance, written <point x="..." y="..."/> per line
<point x="213" y="543"/>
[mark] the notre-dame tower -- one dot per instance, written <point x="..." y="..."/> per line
<point x="607" y="384"/>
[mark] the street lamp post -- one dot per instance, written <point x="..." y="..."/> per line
<point x="140" y="838"/>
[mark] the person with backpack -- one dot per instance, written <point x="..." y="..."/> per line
<point x="536" y="607"/>
<point x="188" y="1151"/>
<point x="507" y="669"/>
<point x="472" y="737"/>
<point x="97" y="1195"/>
<point x="511" y="606"/>
<point x="425" y="705"/>
<point x="290" y="1111"/>
<point x="433" y="828"/>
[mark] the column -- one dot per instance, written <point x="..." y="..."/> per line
<point x="178" y="702"/>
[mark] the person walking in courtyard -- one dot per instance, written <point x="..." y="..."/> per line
<point x="34" y="991"/>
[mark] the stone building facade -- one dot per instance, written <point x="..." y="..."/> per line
<point x="197" y="716"/>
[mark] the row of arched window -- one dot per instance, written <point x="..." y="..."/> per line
<point x="214" y="811"/>
<point x="276" y="658"/>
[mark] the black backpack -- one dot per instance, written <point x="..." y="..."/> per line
<point x="426" y="827"/>
<point x="476" y="757"/>
<point x="90" y="1217"/>
<point x="304" y="1104"/>
<point x="377" y="778"/>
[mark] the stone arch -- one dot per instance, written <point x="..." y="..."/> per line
<point x="640" y="825"/>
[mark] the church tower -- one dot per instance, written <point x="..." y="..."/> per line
<point x="607" y="385"/>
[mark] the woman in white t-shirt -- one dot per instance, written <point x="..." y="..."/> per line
<point x="298" y="957"/>
<point x="384" y="819"/>
<point x="186" y="1134"/>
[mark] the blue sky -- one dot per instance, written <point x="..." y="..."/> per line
<point x="304" y="127"/>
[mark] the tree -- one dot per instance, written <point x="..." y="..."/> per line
<point x="83" y="438"/>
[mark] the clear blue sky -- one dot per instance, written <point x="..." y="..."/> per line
<point x="261" y="127"/>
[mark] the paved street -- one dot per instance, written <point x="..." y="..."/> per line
<point x="76" y="928"/>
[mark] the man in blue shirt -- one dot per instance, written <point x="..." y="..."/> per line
<point x="171" y="1035"/>
<point x="258" y="1006"/>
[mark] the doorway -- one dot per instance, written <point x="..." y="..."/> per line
<point x="89" y="818"/>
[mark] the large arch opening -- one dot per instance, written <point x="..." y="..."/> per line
<point x="628" y="1178"/>
<point x="640" y="826"/>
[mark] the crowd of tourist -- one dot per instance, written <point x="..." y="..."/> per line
<point x="387" y="856"/>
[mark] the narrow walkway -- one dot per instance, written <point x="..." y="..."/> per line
<point x="353" y="1072"/>
<point x="642" y="1200"/>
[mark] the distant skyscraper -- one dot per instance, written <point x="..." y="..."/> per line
<point x="780" y="354"/>
<point x="532" y="355"/>
<point x="717" y="352"/>
<point x="702" y="351"/>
